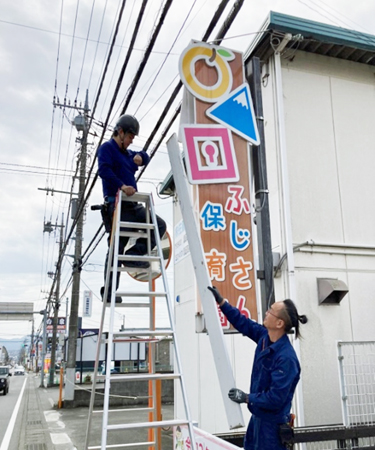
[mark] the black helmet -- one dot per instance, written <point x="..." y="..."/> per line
<point x="128" y="124"/>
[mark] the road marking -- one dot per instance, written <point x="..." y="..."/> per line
<point x="9" y="431"/>
<point x="60" y="438"/>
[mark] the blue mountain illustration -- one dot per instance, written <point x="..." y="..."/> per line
<point x="236" y="112"/>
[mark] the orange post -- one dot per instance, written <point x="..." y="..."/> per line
<point x="61" y="387"/>
<point x="151" y="431"/>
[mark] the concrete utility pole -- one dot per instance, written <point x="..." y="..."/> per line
<point x="56" y="309"/>
<point x="44" y="313"/>
<point x="81" y="123"/>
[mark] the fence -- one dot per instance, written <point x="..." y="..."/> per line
<point x="357" y="382"/>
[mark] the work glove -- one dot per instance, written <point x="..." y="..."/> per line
<point x="216" y="294"/>
<point x="238" y="396"/>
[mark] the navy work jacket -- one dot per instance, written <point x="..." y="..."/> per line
<point x="116" y="167"/>
<point x="275" y="373"/>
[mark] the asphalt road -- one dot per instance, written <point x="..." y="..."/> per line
<point x="10" y="420"/>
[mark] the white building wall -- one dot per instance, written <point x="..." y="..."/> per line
<point x="329" y="108"/>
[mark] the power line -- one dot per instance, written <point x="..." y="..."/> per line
<point x="166" y="57"/>
<point x="71" y="51"/>
<point x="146" y="56"/>
<point x="77" y="37"/>
<point x="123" y="69"/>
<point x="84" y="53"/>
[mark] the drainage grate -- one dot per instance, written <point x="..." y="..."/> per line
<point x="35" y="447"/>
<point x="34" y="422"/>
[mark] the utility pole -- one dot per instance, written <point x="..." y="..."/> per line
<point x="44" y="313"/>
<point x="32" y="346"/>
<point x="56" y="308"/>
<point x="81" y="125"/>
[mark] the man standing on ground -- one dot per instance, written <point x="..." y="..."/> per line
<point x="275" y="373"/>
<point x="117" y="168"/>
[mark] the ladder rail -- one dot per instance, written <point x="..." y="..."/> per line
<point x="152" y="433"/>
<point x="172" y="325"/>
<point x="113" y="263"/>
<point x="112" y="271"/>
<point x="100" y="336"/>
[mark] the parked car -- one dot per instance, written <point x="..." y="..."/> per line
<point x="19" y="370"/>
<point x="4" y="379"/>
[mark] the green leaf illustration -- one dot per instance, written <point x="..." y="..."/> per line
<point x="225" y="53"/>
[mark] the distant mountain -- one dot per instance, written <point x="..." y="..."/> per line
<point x="14" y="345"/>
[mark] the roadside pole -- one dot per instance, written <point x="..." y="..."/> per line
<point x="56" y="309"/>
<point x="44" y="313"/>
<point x="73" y="320"/>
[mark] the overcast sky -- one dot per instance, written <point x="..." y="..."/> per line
<point x="51" y="51"/>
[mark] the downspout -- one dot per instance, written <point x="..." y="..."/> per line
<point x="286" y="214"/>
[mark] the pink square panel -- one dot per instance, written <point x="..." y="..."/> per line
<point x="210" y="154"/>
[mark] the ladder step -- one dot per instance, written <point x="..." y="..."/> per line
<point x="142" y="377"/>
<point x="135" y="234"/>
<point x="137" y="197"/>
<point x="146" y="258"/>
<point x="137" y="225"/>
<point x="136" y="332"/>
<point x="101" y="411"/>
<point x="138" y="339"/>
<point x="156" y="424"/>
<point x="138" y="444"/>
<point x="130" y="305"/>
<point x="141" y="294"/>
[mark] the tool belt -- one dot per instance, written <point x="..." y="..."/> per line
<point x="106" y="213"/>
<point x="106" y="216"/>
<point x="286" y="432"/>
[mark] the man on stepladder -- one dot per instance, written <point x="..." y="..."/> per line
<point x="275" y="374"/>
<point x="117" y="168"/>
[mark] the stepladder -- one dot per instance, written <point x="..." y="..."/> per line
<point x="125" y="408"/>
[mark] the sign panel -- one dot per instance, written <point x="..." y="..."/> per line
<point x="216" y="149"/>
<point x="211" y="156"/>
<point x="87" y="304"/>
<point x="203" y="440"/>
<point x="181" y="244"/>
<point x="237" y="112"/>
<point x="16" y="310"/>
<point x="61" y="324"/>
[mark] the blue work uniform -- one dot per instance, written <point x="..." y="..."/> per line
<point x="117" y="168"/>
<point x="275" y="374"/>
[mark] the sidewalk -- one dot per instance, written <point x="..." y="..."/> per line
<point x="42" y="424"/>
<point x="48" y="428"/>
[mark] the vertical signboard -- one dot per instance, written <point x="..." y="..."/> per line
<point x="87" y="304"/>
<point x="217" y="156"/>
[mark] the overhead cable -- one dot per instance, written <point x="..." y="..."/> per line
<point x="166" y="57"/>
<point x="146" y="56"/>
<point x="108" y="58"/>
<point x="84" y="52"/>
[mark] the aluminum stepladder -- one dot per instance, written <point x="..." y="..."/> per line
<point x="144" y="299"/>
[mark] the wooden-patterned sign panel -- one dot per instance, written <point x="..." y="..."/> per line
<point x="225" y="219"/>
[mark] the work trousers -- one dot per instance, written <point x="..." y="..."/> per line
<point x="132" y="212"/>
<point x="262" y="435"/>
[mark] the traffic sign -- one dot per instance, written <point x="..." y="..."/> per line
<point x="237" y="113"/>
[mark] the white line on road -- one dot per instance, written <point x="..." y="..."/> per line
<point x="9" y="431"/>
